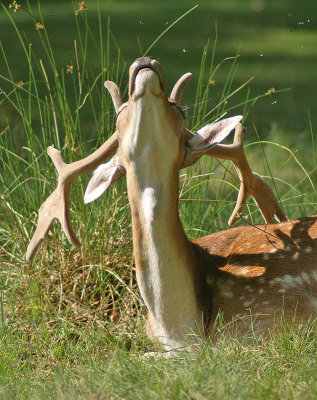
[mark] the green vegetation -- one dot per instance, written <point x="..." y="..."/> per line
<point x="71" y="322"/>
<point x="276" y="40"/>
<point x="83" y="365"/>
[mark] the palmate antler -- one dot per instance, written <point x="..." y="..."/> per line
<point x="57" y="204"/>
<point x="251" y="184"/>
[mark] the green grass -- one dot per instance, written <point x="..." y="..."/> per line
<point x="277" y="45"/>
<point x="72" y="321"/>
<point x="82" y="365"/>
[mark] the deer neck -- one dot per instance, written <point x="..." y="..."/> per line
<point x="165" y="262"/>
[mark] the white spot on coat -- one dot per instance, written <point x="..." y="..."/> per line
<point x="248" y="303"/>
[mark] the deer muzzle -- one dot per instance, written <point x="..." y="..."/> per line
<point x="149" y="65"/>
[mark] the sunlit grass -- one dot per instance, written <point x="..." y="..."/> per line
<point x="72" y="321"/>
<point x="82" y="364"/>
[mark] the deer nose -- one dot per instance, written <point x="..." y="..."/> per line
<point x="141" y="63"/>
<point x="144" y="62"/>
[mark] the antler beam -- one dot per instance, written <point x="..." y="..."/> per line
<point x="179" y="87"/>
<point x="114" y="93"/>
<point x="251" y="184"/>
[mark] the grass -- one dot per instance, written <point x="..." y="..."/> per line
<point x="277" y="45"/>
<point x="72" y="321"/>
<point x="83" y="365"/>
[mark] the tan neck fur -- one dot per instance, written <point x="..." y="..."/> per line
<point x="164" y="259"/>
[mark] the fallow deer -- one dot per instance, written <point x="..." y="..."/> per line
<point x="263" y="271"/>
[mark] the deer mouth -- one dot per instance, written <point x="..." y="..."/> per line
<point x="145" y="70"/>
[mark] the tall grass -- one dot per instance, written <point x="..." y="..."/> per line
<point x="77" y="312"/>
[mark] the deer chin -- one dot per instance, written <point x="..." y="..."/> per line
<point x="146" y="81"/>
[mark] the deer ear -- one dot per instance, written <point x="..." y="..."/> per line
<point x="207" y="137"/>
<point x="102" y="178"/>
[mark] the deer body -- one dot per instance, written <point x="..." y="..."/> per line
<point x="263" y="273"/>
<point x="259" y="272"/>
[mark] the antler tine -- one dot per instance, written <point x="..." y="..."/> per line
<point x="179" y="87"/>
<point x="115" y="94"/>
<point x="57" y="204"/>
<point x="251" y="183"/>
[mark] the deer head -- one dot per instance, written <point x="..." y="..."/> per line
<point x="192" y="146"/>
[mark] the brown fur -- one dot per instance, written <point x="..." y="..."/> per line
<point x="256" y="270"/>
